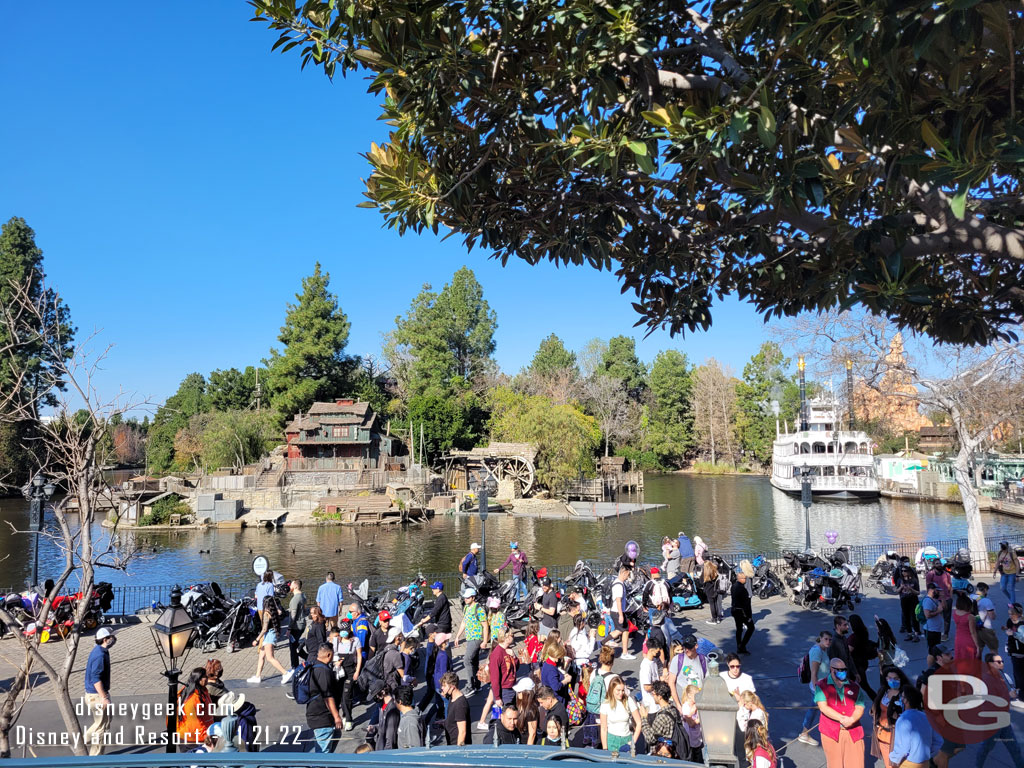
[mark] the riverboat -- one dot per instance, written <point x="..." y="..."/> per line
<point x="838" y="462"/>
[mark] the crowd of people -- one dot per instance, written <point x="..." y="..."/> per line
<point x="557" y="682"/>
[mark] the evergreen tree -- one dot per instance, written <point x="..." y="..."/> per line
<point x="27" y="377"/>
<point x="552" y="357"/>
<point x="764" y="381"/>
<point x="232" y="389"/>
<point x="621" y="362"/>
<point x="312" y="365"/>
<point x="446" y="340"/>
<point x="172" y="417"/>
<point x="671" y="420"/>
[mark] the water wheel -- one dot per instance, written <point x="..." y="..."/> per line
<point x="519" y="470"/>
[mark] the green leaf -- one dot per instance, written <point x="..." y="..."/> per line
<point x="645" y="164"/>
<point x="658" y="118"/>
<point x="639" y="148"/>
<point x="768" y="118"/>
<point x="959" y="202"/>
<point x="931" y="137"/>
<point x="583" y="131"/>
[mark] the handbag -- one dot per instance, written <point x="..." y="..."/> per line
<point x="576" y="709"/>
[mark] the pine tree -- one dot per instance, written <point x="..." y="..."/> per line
<point x="552" y="357"/>
<point x="312" y="365"/>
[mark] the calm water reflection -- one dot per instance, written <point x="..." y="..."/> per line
<point x="730" y="513"/>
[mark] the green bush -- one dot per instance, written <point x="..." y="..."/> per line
<point x="160" y="513"/>
<point x="707" y="468"/>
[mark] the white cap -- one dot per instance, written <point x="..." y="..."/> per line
<point x="474" y="545"/>
<point x="526" y="684"/>
<point x="393" y="633"/>
<point x="104" y="633"/>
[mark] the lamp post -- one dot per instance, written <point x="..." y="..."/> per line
<point x="717" y="710"/>
<point x="805" y="499"/>
<point x="171" y="633"/>
<point x="37" y="490"/>
<point x="483" y="528"/>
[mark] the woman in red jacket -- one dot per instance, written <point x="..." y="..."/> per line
<point x="502" y="666"/>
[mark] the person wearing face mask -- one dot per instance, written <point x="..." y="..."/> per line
<point x="456" y="722"/>
<point x="885" y="710"/>
<point x="841" y="704"/>
<point x="348" y="663"/>
<point x="914" y="742"/>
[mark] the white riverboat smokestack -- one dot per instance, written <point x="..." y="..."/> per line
<point x="803" y="394"/>
<point x="849" y="393"/>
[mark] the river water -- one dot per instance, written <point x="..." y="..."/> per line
<point x="737" y="513"/>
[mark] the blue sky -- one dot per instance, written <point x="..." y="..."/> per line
<point x="182" y="179"/>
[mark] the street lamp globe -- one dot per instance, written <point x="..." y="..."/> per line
<point x="172" y="630"/>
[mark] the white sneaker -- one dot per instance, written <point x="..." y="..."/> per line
<point x="287" y="676"/>
<point x="803" y="738"/>
<point x="627" y="657"/>
<point x="348" y="725"/>
<point x="481" y="726"/>
<point x="255" y="679"/>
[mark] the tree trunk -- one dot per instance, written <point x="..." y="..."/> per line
<point x="972" y="511"/>
<point x="711" y="430"/>
<point x="9" y="710"/>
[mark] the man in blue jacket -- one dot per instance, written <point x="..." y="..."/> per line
<point x="470" y="564"/>
<point x="97" y="690"/>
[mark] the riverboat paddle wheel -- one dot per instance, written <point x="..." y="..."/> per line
<point x="494" y="463"/>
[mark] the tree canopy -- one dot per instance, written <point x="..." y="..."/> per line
<point x="552" y="357"/>
<point x="446" y="340"/>
<point x="803" y="154"/>
<point x="313" y="364"/>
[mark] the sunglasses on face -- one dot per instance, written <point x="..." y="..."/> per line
<point x="734" y="666"/>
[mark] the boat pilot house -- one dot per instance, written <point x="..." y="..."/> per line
<point x="343" y="435"/>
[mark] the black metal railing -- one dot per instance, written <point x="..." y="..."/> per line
<point x="131" y="599"/>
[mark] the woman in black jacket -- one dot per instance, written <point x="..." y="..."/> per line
<point x="316" y="631"/>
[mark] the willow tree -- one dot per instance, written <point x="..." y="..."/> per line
<point x="803" y="154"/>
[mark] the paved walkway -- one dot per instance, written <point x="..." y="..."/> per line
<point x="784" y="634"/>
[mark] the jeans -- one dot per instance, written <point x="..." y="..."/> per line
<point x="520" y="587"/>
<point x="947" y="616"/>
<point x="471" y="662"/>
<point x="1008" y="583"/>
<point x="810" y="718"/>
<point x="1005" y="737"/>
<point x="296" y="649"/>
<point x="324" y="737"/>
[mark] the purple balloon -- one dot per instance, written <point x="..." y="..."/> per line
<point x="832" y="536"/>
<point x="632" y="550"/>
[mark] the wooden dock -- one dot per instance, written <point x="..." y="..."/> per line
<point x="608" y="510"/>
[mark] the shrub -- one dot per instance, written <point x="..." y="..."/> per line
<point x="160" y="513"/>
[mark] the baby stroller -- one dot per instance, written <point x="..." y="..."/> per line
<point x="207" y="606"/>
<point x="684" y="593"/>
<point x="883" y="573"/>
<point x="237" y="629"/>
<point x="766" y="582"/>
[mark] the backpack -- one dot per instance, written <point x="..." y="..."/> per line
<point x="301" y="690"/>
<point x="575" y="709"/>
<point x="609" y="601"/>
<point x="919" y="613"/>
<point x="723" y="584"/>
<point x="595" y="695"/>
<point x="803" y="671"/>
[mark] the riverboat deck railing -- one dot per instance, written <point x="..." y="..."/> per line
<point x="133" y="599"/>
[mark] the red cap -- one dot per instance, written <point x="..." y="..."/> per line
<point x="384" y="616"/>
<point x="654" y="571"/>
<point x="542" y="572"/>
